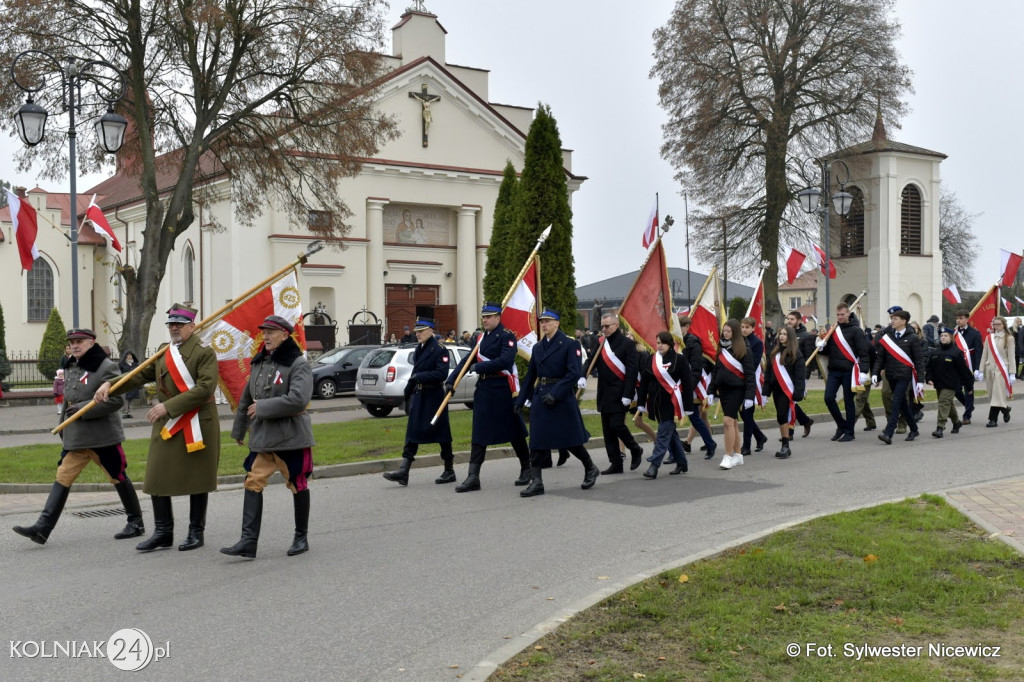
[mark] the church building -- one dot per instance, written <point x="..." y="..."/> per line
<point x="421" y="223"/>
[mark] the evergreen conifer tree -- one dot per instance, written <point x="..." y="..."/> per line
<point x="738" y="308"/>
<point x="500" y="269"/>
<point x="51" y="350"/>
<point x="5" y="365"/>
<point x="542" y="199"/>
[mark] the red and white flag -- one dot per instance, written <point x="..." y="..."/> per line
<point x="24" y="227"/>
<point x="704" y="322"/>
<point x="647" y="308"/>
<point x="96" y="217"/>
<point x="1010" y="265"/>
<point x="951" y="294"/>
<point x="1006" y="304"/>
<point x="1019" y="300"/>
<point x="520" y="313"/>
<point x="651" y="229"/>
<point x="794" y="261"/>
<point x="821" y="262"/>
<point x="236" y="337"/>
<point x="756" y="308"/>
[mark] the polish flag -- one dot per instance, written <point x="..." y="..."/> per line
<point x="96" y="217"/>
<point x="236" y="337"/>
<point x="951" y="294"/>
<point x="24" y="227"/>
<point x="651" y="230"/>
<point x="704" y="318"/>
<point x="794" y="261"/>
<point x="756" y="308"/>
<point x="1010" y="265"/>
<point x="1019" y="300"/>
<point x="520" y="313"/>
<point x="821" y="262"/>
<point x="1006" y="304"/>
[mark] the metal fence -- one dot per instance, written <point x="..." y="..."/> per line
<point x="24" y="370"/>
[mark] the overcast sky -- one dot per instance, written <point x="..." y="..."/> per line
<point x="590" y="61"/>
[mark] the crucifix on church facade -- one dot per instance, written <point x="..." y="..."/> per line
<point x="425" y="100"/>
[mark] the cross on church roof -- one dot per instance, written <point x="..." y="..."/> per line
<point x="417" y="6"/>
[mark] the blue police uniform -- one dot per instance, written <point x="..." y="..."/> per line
<point x="494" y="421"/>
<point x="555" y="419"/>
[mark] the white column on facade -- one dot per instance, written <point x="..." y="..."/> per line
<point x="375" y="255"/>
<point x="466" y="279"/>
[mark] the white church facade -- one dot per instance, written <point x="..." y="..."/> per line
<point x="421" y="223"/>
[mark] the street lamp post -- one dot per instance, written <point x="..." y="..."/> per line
<point x="841" y="201"/>
<point x="30" y="121"/>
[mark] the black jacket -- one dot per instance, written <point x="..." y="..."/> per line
<point x="723" y="378"/>
<point x="854" y="336"/>
<point x="797" y="372"/>
<point x="972" y="337"/>
<point x="948" y="369"/>
<point x="894" y="369"/>
<point x="655" y="397"/>
<point x="610" y="388"/>
<point x="804" y="340"/>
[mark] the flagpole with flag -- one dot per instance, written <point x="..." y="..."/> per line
<point x="533" y="260"/>
<point x="25" y="227"/>
<point x="313" y="248"/>
<point x="983" y="312"/>
<point x="651" y="230"/>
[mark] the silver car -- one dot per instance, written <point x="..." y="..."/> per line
<point x="383" y="374"/>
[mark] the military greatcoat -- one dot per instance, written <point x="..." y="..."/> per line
<point x="426" y="393"/>
<point x="555" y="367"/>
<point x="493" y="419"/>
<point x="170" y="468"/>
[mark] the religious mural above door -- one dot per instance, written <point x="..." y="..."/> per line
<point x="417" y="225"/>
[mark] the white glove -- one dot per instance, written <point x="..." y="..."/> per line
<point x="711" y="400"/>
<point x="582" y="383"/>
<point x="863" y="378"/>
<point x="747" y="404"/>
<point x="690" y="413"/>
<point x="1013" y="378"/>
<point x="626" y="402"/>
<point x="820" y="343"/>
<point x="978" y="376"/>
<point x="874" y="379"/>
<point x="526" y="404"/>
<point x="641" y="409"/>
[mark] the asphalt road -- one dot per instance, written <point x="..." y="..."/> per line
<point x="405" y="583"/>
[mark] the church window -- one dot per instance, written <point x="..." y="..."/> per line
<point x="910" y="221"/>
<point x="39" y="281"/>
<point x="851" y="226"/>
<point x="321" y="222"/>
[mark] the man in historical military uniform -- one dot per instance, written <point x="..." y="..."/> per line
<point x="493" y="419"/>
<point x="184" y="448"/>
<point x="616" y="387"/>
<point x="95" y="437"/>
<point x="550" y="391"/>
<point x="273" y="410"/>
<point x="425" y="393"/>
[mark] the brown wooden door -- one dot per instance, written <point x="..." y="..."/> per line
<point x="447" y="319"/>
<point x="400" y="305"/>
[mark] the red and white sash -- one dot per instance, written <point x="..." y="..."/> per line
<point x="759" y="397"/>
<point x="997" y="357"/>
<point x="513" y="376"/>
<point x="670" y="385"/>
<point x="611" y="360"/>
<point x="962" y="345"/>
<point x="189" y="421"/>
<point x="786" y="384"/>
<point x="901" y="355"/>
<point x="731" y="363"/>
<point x="847" y="351"/>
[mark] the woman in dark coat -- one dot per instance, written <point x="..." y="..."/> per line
<point x="733" y="383"/>
<point x="666" y="391"/>
<point x="785" y="383"/>
<point x="128" y="363"/>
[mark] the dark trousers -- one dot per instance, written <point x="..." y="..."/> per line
<point x="614" y="429"/>
<point x="750" y="427"/>
<point x="900" y="407"/>
<point x="701" y="427"/>
<point x="667" y="439"/>
<point x="477" y="452"/>
<point x="837" y="378"/>
<point x="541" y="459"/>
<point x="801" y="417"/>
<point x="967" y="400"/>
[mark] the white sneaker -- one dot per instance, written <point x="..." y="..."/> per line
<point x="737" y="460"/>
<point x="726" y="462"/>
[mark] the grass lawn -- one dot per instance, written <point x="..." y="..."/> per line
<point x="353" y="441"/>
<point x="914" y="573"/>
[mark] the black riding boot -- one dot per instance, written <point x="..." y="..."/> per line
<point x="163" y="526"/>
<point x="536" y="486"/>
<point x="40" y="530"/>
<point x="252" y="519"/>
<point x="591" y="472"/>
<point x="299" y="543"/>
<point x="472" y="481"/>
<point x="196" y="522"/>
<point x="448" y="475"/>
<point x="135" y="527"/>
<point x="784" y="452"/>
<point x="993" y="415"/>
<point x="525" y="476"/>
<point x="401" y="475"/>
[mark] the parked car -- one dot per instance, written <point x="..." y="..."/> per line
<point x="335" y="371"/>
<point x="385" y="372"/>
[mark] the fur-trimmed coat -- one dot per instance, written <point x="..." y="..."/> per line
<point x="101" y="425"/>
<point x="281" y="385"/>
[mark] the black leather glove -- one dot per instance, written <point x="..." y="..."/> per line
<point x="69" y="411"/>
<point x="410" y="388"/>
<point x="518" y="409"/>
<point x="449" y="388"/>
<point x="549" y="400"/>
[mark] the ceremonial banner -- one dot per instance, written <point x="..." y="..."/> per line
<point x="24" y="228"/>
<point x="987" y="308"/>
<point x="647" y="308"/>
<point x="236" y="337"/>
<point x="520" y="313"/>
<point x="704" y="316"/>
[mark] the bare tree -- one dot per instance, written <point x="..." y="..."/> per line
<point x="752" y="85"/>
<point x="957" y="240"/>
<point x="273" y="93"/>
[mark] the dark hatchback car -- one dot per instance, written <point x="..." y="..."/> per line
<point x="335" y="371"/>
